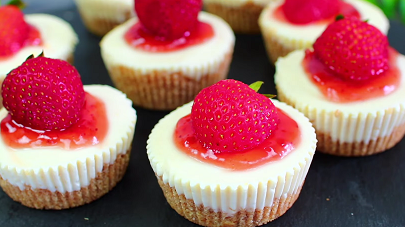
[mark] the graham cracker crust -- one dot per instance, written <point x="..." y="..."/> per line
<point x="45" y="199"/>
<point x="328" y="146"/>
<point x="101" y="26"/>
<point x="242" y="19"/>
<point x="206" y="216"/>
<point x="276" y="47"/>
<point x="163" y="90"/>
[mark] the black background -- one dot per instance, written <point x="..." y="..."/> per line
<point x="367" y="191"/>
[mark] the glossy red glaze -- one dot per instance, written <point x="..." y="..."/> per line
<point x="139" y="38"/>
<point x="337" y="89"/>
<point x="33" y="39"/>
<point x="345" y="9"/>
<point x="278" y="145"/>
<point x="89" y="130"/>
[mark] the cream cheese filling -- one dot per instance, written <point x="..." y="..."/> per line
<point x="309" y="33"/>
<point x="61" y="170"/>
<point x="107" y="9"/>
<point x="223" y="189"/>
<point x="116" y="51"/>
<point x="292" y="80"/>
<point x="58" y="38"/>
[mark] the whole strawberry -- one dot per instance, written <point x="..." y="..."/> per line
<point x="13" y="30"/>
<point x="353" y="49"/>
<point x="230" y="116"/>
<point x="44" y="94"/>
<point x="307" y="11"/>
<point x="168" y="19"/>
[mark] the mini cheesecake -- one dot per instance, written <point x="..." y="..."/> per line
<point x="52" y="177"/>
<point x="210" y="195"/>
<point x="242" y="15"/>
<point x="58" y="41"/>
<point x="356" y="128"/>
<point x="166" y="80"/>
<point x="101" y="16"/>
<point x="282" y="37"/>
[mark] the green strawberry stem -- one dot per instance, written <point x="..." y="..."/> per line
<point x="256" y="87"/>
<point x="32" y="56"/>
<point x="339" y="17"/>
<point x="19" y="3"/>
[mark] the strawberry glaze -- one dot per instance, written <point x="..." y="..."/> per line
<point x="89" y="130"/>
<point x="340" y="90"/>
<point x="281" y="142"/>
<point x="346" y="9"/>
<point x="139" y="38"/>
<point x="33" y="39"/>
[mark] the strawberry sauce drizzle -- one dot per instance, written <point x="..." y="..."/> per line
<point x="33" y="39"/>
<point x="89" y="130"/>
<point x="139" y="38"/>
<point x="345" y="9"/>
<point x="282" y="141"/>
<point x="337" y="89"/>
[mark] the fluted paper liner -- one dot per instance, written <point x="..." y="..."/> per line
<point x="242" y="19"/>
<point x="73" y="183"/>
<point x="235" y="204"/>
<point x="46" y="199"/>
<point x="351" y="134"/>
<point x="103" y="21"/>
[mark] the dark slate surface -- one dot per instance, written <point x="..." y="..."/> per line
<point x="366" y="191"/>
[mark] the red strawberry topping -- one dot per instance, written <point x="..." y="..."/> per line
<point x="307" y="11"/>
<point x="353" y="49"/>
<point x="168" y="19"/>
<point x="13" y="30"/>
<point x="44" y="94"/>
<point x="230" y="116"/>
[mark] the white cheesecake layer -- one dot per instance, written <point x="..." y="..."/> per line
<point x="195" y="61"/>
<point x="223" y="189"/>
<point x="63" y="170"/>
<point x="58" y="41"/>
<point x="115" y="10"/>
<point x="347" y="122"/>
<point x="309" y="33"/>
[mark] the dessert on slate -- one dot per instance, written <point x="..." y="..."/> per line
<point x="101" y="16"/>
<point x="22" y="36"/>
<point x="62" y="144"/>
<point x="163" y="60"/>
<point x="289" y="25"/>
<point x="351" y="86"/>
<point x="242" y="15"/>
<point x="232" y="157"/>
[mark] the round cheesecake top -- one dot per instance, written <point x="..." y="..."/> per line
<point x="236" y="3"/>
<point x="58" y="41"/>
<point x="116" y="51"/>
<point x="309" y="33"/>
<point x="172" y="164"/>
<point x="59" y="169"/>
<point x="292" y="79"/>
<point x="105" y="9"/>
